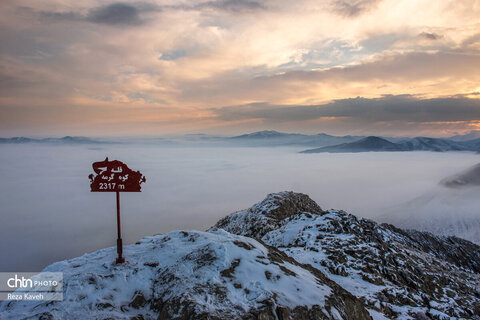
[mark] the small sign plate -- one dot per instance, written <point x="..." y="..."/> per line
<point x="115" y="176"/>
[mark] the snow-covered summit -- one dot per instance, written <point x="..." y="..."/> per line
<point x="268" y="214"/>
<point x="397" y="273"/>
<point x="284" y="258"/>
<point x="192" y="275"/>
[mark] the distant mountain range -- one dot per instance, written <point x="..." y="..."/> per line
<point x="379" y="144"/>
<point x="64" y="140"/>
<point x="475" y="134"/>
<point x="267" y="138"/>
<point x="321" y="142"/>
<point x="275" y="138"/>
<point x="346" y="144"/>
<point x="362" y="145"/>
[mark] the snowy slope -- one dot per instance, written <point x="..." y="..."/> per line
<point x="398" y="274"/>
<point x="284" y="258"/>
<point x="192" y="275"/>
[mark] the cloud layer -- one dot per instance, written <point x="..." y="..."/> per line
<point x="153" y="67"/>
<point x="389" y="108"/>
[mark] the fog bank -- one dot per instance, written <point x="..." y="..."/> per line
<point x="48" y="212"/>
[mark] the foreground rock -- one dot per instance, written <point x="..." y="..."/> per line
<point x="192" y="275"/>
<point x="397" y="274"/>
<point x="284" y="258"/>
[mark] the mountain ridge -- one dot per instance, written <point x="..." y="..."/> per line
<point x="283" y="258"/>
<point x="371" y="143"/>
<point x="275" y="138"/>
<point x="321" y="142"/>
<point x="379" y="144"/>
<point x="193" y="275"/>
<point x="401" y="274"/>
<point x="63" y="140"/>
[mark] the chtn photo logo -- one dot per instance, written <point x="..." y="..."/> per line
<point x="31" y="286"/>
<point x="17" y="282"/>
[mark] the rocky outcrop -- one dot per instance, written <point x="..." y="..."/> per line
<point x="462" y="253"/>
<point x="269" y="214"/>
<point x="397" y="273"/>
<point x="298" y="262"/>
<point x="193" y="275"/>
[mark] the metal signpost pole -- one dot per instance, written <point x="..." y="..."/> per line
<point x="120" y="258"/>
<point x="115" y="176"/>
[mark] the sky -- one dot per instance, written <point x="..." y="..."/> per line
<point x="106" y="68"/>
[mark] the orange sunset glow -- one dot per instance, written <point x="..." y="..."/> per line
<point x="230" y="66"/>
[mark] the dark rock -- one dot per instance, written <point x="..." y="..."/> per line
<point x="138" y="301"/>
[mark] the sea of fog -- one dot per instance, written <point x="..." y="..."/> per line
<point x="48" y="212"/>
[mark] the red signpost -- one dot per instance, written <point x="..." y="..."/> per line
<point x="115" y="176"/>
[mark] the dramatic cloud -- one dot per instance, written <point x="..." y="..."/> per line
<point x="353" y="8"/>
<point x="117" y="13"/>
<point x="430" y="36"/>
<point x="232" y="5"/>
<point x="158" y="66"/>
<point x="425" y="74"/>
<point x="389" y="115"/>
<point x="409" y="66"/>
<point x="390" y="108"/>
